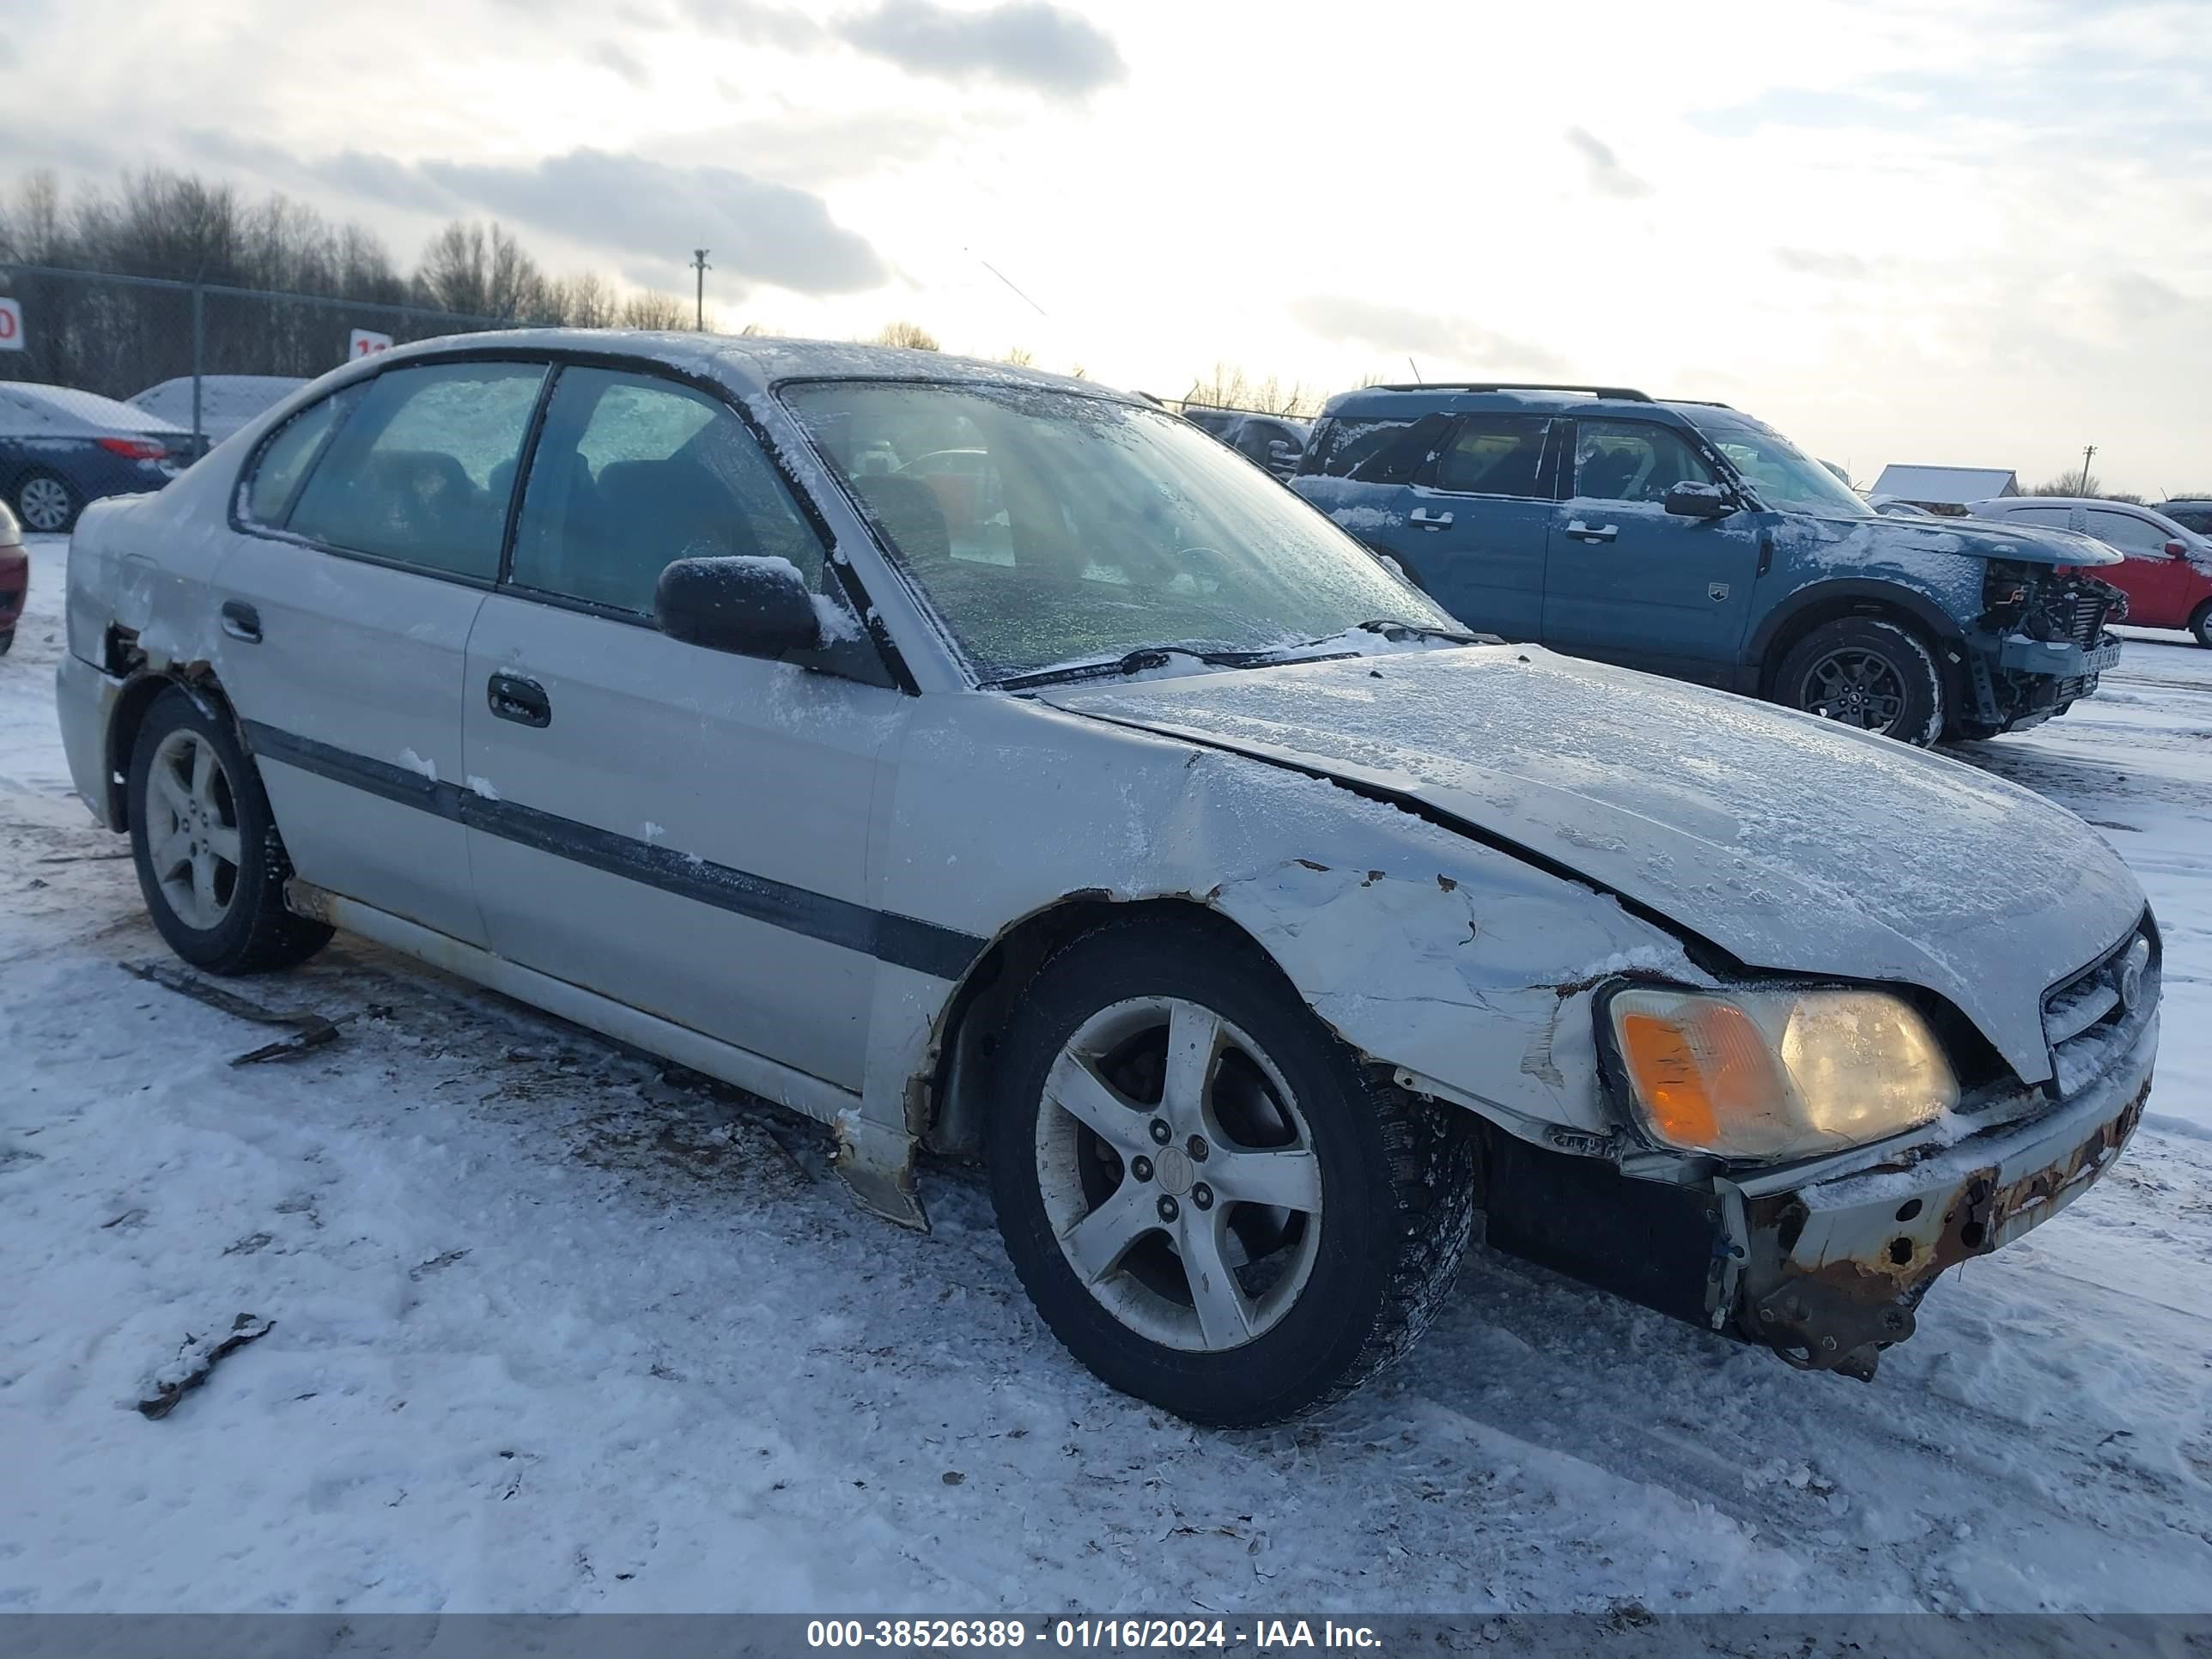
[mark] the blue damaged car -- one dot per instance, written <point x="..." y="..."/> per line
<point x="1690" y="540"/>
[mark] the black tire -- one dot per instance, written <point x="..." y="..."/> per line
<point x="2201" y="624"/>
<point x="7" y="641"/>
<point x="253" y="932"/>
<point x="1396" y="1183"/>
<point x="35" y="490"/>
<point x="1900" y="687"/>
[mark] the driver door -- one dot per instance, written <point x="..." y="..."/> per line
<point x="681" y="830"/>
<point x="1627" y="581"/>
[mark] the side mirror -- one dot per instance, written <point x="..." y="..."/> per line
<point x="1699" y="501"/>
<point x="753" y="607"/>
<point x="2176" y="550"/>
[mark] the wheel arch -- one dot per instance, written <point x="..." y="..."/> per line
<point x="948" y="1097"/>
<point x="1812" y="607"/>
<point x="140" y="690"/>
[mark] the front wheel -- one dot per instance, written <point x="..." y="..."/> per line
<point x="1869" y="673"/>
<point x="209" y="861"/>
<point x="2201" y="624"/>
<point x="1214" y="1203"/>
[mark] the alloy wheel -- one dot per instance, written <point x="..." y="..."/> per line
<point x="191" y="829"/>
<point x="1857" y="688"/>
<point x="1178" y="1175"/>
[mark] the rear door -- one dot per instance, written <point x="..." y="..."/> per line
<point x="681" y="829"/>
<point x="365" y="540"/>
<point x="2159" y="585"/>
<point x="1479" y="516"/>
<point x="1627" y="581"/>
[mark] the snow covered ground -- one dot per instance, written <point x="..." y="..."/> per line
<point x="554" y="1332"/>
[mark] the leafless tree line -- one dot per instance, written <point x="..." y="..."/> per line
<point x="116" y="338"/>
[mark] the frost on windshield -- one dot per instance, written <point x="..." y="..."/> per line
<point x="1050" y="527"/>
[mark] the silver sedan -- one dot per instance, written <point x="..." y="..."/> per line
<point x="984" y="761"/>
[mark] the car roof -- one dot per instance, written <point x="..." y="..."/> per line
<point x="31" y="408"/>
<point x="749" y="363"/>
<point x="1403" y="402"/>
<point x="2007" y="504"/>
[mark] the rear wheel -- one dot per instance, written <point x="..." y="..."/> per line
<point x="1869" y="673"/>
<point x="2201" y="624"/>
<point x="45" y="502"/>
<point x="1214" y="1203"/>
<point x="209" y="861"/>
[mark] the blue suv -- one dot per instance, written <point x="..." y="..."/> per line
<point x="1689" y="539"/>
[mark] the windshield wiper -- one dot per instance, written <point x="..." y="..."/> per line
<point x="1130" y="662"/>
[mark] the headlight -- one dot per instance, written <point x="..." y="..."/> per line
<point x="1774" y="1074"/>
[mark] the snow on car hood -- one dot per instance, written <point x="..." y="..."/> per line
<point x="1789" y="841"/>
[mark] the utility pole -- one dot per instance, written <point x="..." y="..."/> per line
<point x="2088" y="452"/>
<point x="699" y="263"/>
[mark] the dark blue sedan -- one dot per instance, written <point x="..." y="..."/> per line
<point x="60" y="447"/>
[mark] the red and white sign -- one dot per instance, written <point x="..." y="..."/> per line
<point x="11" y="324"/>
<point x="367" y="342"/>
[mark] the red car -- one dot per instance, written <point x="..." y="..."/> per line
<point x="15" y="577"/>
<point x="2168" y="574"/>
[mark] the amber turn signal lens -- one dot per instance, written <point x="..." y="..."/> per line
<point x="1668" y="1080"/>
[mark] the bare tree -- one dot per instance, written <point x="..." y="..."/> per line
<point x="480" y="272"/>
<point x="1228" y="386"/>
<point x="912" y="335"/>
<point x="656" y="310"/>
<point x="1020" y="358"/>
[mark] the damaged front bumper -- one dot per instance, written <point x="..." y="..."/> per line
<point x="1826" y="1267"/>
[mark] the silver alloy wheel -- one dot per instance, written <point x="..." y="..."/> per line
<point x="44" y="504"/>
<point x="1856" y="687"/>
<point x="191" y="829"/>
<point x="1178" y="1174"/>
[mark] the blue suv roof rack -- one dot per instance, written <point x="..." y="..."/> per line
<point x="1630" y="393"/>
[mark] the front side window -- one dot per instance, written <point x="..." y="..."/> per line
<point x="1633" y="461"/>
<point x="632" y="473"/>
<point x="2139" y="537"/>
<point x="1494" y="455"/>
<point x="1785" y="477"/>
<point x="1050" y="528"/>
<point x="422" y="470"/>
<point x="284" y="464"/>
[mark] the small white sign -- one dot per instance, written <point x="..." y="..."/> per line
<point x="367" y="342"/>
<point x="11" y="324"/>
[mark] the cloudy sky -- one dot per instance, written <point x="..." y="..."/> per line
<point x="1977" y="234"/>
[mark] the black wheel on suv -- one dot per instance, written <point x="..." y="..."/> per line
<point x="1869" y="673"/>
<point x="209" y="861"/>
<point x="2201" y="624"/>
<point x="1212" y="1202"/>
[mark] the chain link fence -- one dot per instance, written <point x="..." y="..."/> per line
<point x="204" y="350"/>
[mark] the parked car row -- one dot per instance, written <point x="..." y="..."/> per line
<point x="1689" y="539"/>
<point x="61" y="447"/>
<point x="989" y="762"/>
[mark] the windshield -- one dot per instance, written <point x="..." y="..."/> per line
<point x="1049" y="528"/>
<point x="1785" y="477"/>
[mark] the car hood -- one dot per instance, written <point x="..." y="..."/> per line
<point x="1988" y="539"/>
<point x="1790" y="843"/>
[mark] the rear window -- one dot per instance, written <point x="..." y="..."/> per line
<point x="2199" y="518"/>
<point x="423" y="470"/>
<point x="1375" y="452"/>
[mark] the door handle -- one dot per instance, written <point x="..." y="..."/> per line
<point x="241" y="620"/>
<point x="515" y="698"/>
<point x="1422" y="516"/>
<point x="1592" y="532"/>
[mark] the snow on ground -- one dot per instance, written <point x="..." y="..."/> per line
<point x="555" y="1331"/>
